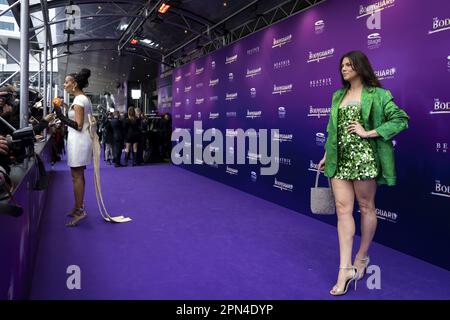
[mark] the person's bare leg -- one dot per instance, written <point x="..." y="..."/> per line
<point x="78" y="190"/>
<point x="344" y="198"/>
<point x="365" y="191"/>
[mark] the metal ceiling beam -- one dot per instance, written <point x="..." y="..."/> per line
<point x="62" y="3"/>
<point x="86" y="17"/>
<point x="147" y="13"/>
<point x="213" y="27"/>
<point x="275" y="14"/>
<point x="72" y="42"/>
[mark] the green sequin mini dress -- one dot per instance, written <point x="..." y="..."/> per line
<point x="356" y="160"/>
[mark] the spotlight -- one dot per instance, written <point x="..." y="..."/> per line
<point x="163" y="8"/>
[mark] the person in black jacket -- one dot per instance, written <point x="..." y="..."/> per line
<point x="117" y="129"/>
<point x="132" y="135"/>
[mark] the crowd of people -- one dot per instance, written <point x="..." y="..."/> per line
<point x="144" y="138"/>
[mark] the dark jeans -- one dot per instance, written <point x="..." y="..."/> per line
<point x="117" y="151"/>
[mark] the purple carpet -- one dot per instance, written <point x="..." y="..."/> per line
<point x="194" y="238"/>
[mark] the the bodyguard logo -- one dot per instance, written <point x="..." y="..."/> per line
<point x="199" y="85"/>
<point x="385" y="74"/>
<point x="283" y="137"/>
<point x="178" y="78"/>
<point x="440" y="25"/>
<point x="321" y="55"/>
<point x="441" y="190"/>
<point x="283" y="186"/>
<point x="231" y="96"/>
<point x="187" y="89"/>
<point x="375" y="8"/>
<point x="199" y="71"/>
<point x="253" y="72"/>
<point x="199" y="101"/>
<point x="253" y="114"/>
<point x="281" y="89"/>
<point x="281" y="112"/>
<point x="440" y="107"/>
<point x="386" y="215"/>
<point x="213" y="98"/>
<point x="187" y="116"/>
<point x="213" y="83"/>
<point x="313" y="166"/>
<point x="318" y="112"/>
<point x="231" y="59"/>
<point x="232" y="171"/>
<point x="231" y="114"/>
<point x="214" y="115"/>
<point x="278" y="43"/>
<point x="373" y="41"/>
<point x="177" y="104"/>
<point x="319" y="26"/>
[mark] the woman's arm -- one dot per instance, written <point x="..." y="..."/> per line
<point x="79" y="117"/>
<point x="396" y="118"/>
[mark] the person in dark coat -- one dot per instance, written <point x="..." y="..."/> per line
<point x="118" y="138"/>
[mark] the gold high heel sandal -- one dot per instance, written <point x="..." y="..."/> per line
<point x="336" y="292"/>
<point x="78" y="215"/>
<point x="366" y="262"/>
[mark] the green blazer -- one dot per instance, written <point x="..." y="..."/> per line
<point x="379" y="112"/>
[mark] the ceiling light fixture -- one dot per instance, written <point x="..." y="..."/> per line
<point x="163" y="8"/>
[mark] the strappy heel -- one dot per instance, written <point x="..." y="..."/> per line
<point x="78" y="215"/>
<point x="336" y="292"/>
<point x="366" y="262"/>
<point x="71" y="213"/>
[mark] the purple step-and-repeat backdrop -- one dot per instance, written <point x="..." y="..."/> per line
<point x="283" y="78"/>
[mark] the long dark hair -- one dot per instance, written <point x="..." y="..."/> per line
<point x="363" y="67"/>
<point x="131" y="114"/>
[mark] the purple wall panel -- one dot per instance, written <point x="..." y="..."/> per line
<point x="410" y="54"/>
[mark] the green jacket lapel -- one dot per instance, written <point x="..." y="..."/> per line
<point x="337" y="100"/>
<point x="366" y="103"/>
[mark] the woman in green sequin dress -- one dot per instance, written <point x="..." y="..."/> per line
<point x="361" y="112"/>
<point x="356" y="160"/>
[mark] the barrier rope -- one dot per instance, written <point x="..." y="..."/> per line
<point x="98" y="187"/>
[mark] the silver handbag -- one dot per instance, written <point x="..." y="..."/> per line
<point x="322" y="199"/>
